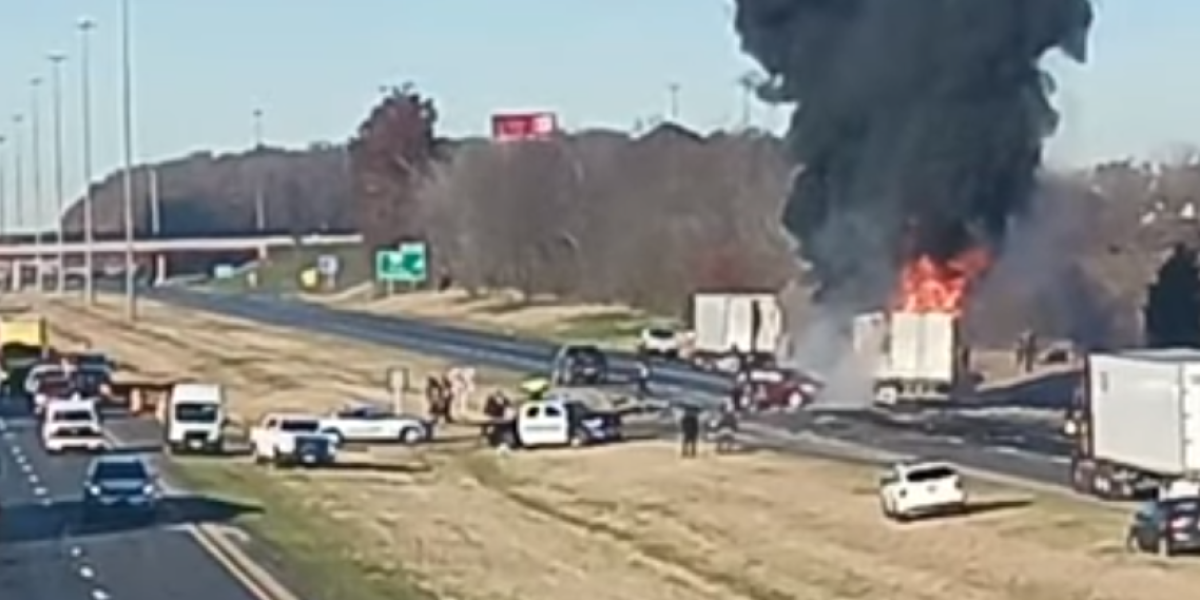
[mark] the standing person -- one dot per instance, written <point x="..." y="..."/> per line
<point x="689" y="431"/>
<point x="725" y="429"/>
<point x="643" y="377"/>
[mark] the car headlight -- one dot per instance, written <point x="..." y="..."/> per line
<point x="150" y="490"/>
<point x="93" y="490"/>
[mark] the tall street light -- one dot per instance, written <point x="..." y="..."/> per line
<point x="86" y="25"/>
<point x="127" y="177"/>
<point x="35" y="147"/>
<point x="260" y="200"/>
<point x="56" y="63"/>
<point x="3" y="190"/>
<point x="18" y="189"/>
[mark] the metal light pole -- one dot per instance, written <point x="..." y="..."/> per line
<point x="127" y="176"/>
<point x="18" y="190"/>
<point x="86" y="26"/>
<point x="35" y="136"/>
<point x="56" y="62"/>
<point x="3" y="191"/>
<point x="260" y="200"/>
<point x="673" y="101"/>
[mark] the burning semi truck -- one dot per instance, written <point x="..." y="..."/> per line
<point x="914" y="349"/>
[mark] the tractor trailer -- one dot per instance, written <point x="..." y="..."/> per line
<point x="1136" y="423"/>
<point x="912" y="356"/>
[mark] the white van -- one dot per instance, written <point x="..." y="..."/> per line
<point x="195" y="419"/>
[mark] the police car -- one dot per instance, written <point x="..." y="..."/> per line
<point x="564" y="422"/>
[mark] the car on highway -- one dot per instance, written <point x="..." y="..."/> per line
<point x="120" y="486"/>
<point x="72" y="425"/>
<point x="1166" y="526"/>
<point x="369" y="422"/>
<point x="776" y="388"/>
<point x="287" y="440"/>
<point x="912" y="490"/>
<point x="579" y="364"/>
<point x="661" y="341"/>
<point x="195" y="418"/>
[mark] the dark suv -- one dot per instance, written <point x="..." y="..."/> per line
<point x="1166" y="527"/>
<point x="580" y="365"/>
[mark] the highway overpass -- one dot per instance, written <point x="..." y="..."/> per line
<point x="262" y="244"/>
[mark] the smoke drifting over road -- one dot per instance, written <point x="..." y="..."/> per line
<point x="919" y="124"/>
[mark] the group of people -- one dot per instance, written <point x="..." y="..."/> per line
<point x="723" y="426"/>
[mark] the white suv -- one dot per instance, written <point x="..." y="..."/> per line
<point x="659" y="341"/>
<point x="72" y="425"/>
<point x="921" y="489"/>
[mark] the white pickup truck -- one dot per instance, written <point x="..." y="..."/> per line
<point x="292" y="440"/>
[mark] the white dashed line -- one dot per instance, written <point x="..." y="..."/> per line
<point x="33" y="479"/>
<point x="99" y="594"/>
<point x="47" y="501"/>
<point x="40" y="491"/>
<point x="86" y="572"/>
<point x="26" y="468"/>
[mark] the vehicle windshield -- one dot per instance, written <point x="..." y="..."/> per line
<point x="931" y="474"/>
<point x="120" y="471"/>
<point x="300" y="426"/>
<point x="197" y="412"/>
<point x="73" y="416"/>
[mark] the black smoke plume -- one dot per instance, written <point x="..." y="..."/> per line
<point x="919" y="124"/>
<point x="1172" y="313"/>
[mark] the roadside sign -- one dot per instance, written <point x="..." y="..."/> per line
<point x="224" y="272"/>
<point x="526" y="126"/>
<point x="407" y="264"/>
<point x="328" y="265"/>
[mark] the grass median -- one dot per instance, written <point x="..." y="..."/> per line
<point x="293" y="539"/>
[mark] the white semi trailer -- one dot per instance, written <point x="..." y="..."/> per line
<point x="912" y="356"/>
<point x="1136" y="423"/>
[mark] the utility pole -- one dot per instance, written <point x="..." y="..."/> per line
<point x="127" y="176"/>
<point x="3" y="190"/>
<point x="56" y="62"/>
<point x="260" y="195"/>
<point x="18" y="192"/>
<point x="35" y="136"/>
<point x="86" y="26"/>
<point x="673" y="102"/>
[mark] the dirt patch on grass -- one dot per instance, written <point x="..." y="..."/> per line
<point x="631" y="521"/>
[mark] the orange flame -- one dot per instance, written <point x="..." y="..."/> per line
<point x="929" y="286"/>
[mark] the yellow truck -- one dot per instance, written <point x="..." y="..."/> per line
<point x="24" y="340"/>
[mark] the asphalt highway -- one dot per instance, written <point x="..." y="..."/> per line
<point x="1011" y="446"/>
<point x="46" y="553"/>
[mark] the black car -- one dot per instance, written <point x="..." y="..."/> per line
<point x="1166" y="527"/>
<point x="580" y="365"/>
<point x="120" y="486"/>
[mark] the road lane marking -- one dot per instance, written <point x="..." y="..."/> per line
<point x="261" y="584"/>
<point x="86" y="572"/>
<point x="26" y="468"/>
<point x="100" y="594"/>
<point x="40" y="491"/>
<point x="33" y="479"/>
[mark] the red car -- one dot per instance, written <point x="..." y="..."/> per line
<point x="779" y="388"/>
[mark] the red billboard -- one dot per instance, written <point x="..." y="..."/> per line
<point x="516" y="127"/>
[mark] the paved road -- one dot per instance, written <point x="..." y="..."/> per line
<point x="45" y="554"/>
<point x="1014" y="446"/>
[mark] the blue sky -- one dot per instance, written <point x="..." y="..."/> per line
<point x="315" y="66"/>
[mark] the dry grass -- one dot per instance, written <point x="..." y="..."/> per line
<point x="633" y="521"/>
<point x="502" y="311"/>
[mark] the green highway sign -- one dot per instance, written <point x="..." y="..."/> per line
<point x="406" y="264"/>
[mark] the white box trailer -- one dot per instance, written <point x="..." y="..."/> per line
<point x="912" y="356"/>
<point x="1138" y="426"/>
<point x="726" y="321"/>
